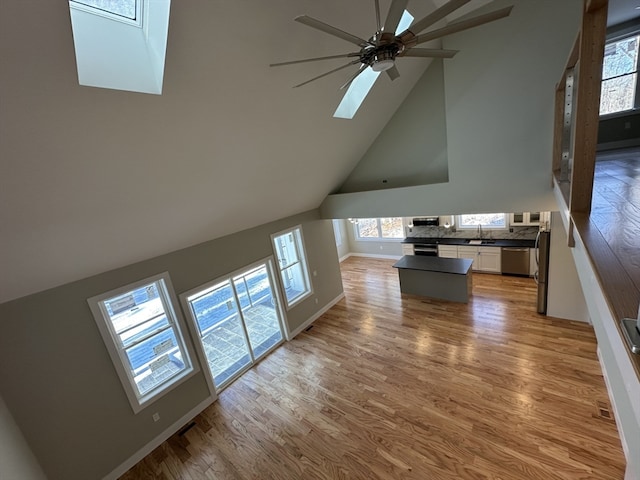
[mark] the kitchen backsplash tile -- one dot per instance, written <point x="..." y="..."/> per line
<point x="519" y="233"/>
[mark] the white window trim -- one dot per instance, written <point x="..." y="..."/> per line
<point x="303" y="261"/>
<point x="195" y="331"/>
<point x="460" y="226"/>
<point x="356" y="233"/>
<point x="140" y="402"/>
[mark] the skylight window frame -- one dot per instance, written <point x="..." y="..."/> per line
<point x="136" y="22"/>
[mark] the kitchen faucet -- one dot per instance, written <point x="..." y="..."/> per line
<point x="480" y="231"/>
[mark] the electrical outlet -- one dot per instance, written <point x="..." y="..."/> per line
<point x="316" y="301"/>
<point x="315" y="273"/>
<point x="156" y="417"/>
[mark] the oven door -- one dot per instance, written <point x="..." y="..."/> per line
<point x="429" y="250"/>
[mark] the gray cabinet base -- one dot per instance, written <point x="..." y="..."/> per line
<point x="445" y="286"/>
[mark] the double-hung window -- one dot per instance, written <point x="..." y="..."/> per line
<point x="379" y="228"/>
<point x="292" y="263"/>
<point x="619" y="75"/>
<point x="142" y="332"/>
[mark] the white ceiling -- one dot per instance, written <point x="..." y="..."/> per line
<point x="94" y="179"/>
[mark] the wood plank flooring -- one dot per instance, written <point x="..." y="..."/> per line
<point x="386" y="386"/>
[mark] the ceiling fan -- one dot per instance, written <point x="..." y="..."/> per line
<point x="387" y="44"/>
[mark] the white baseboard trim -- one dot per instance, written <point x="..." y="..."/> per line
<point x="342" y="259"/>
<point x="376" y="255"/>
<point x="315" y="316"/>
<point x="156" y="442"/>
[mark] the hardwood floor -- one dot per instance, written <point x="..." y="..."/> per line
<point x="391" y="387"/>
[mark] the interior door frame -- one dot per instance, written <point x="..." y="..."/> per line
<point x="194" y="331"/>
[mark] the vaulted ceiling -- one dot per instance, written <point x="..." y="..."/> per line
<point x="93" y="179"/>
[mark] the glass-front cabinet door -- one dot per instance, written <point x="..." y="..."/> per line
<point x="238" y="320"/>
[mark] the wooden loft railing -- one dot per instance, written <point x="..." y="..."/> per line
<point x="577" y="104"/>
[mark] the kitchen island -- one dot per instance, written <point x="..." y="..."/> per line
<point x="435" y="277"/>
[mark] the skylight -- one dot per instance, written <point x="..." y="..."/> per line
<point x="115" y="48"/>
<point x="359" y="88"/>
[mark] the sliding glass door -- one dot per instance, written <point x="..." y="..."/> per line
<point x="238" y="320"/>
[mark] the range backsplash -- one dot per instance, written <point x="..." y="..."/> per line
<point x="519" y="233"/>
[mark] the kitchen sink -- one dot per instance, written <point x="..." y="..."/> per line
<point x="477" y="241"/>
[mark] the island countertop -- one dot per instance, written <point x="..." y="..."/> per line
<point x="457" y="266"/>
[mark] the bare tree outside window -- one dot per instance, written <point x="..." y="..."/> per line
<point x="619" y="75"/>
<point x="391" y="227"/>
<point x="372" y="228"/>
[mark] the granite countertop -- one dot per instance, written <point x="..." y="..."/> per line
<point x="498" y="242"/>
<point x="458" y="266"/>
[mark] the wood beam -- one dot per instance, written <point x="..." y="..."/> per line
<point x="592" y="40"/>
<point x="595" y="5"/>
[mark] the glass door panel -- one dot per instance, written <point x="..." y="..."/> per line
<point x="222" y="334"/>
<point x="259" y="309"/>
<point x="237" y="320"/>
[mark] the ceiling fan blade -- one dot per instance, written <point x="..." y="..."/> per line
<point x="393" y="73"/>
<point x="464" y="25"/>
<point x="437" y="15"/>
<point x="362" y="68"/>
<point x="326" y="28"/>
<point x="327" y="73"/>
<point x="293" y="62"/>
<point x="428" y="53"/>
<point x="378" y="24"/>
<point x="395" y="14"/>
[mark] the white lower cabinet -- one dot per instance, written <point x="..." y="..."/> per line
<point x="471" y="253"/>
<point x="489" y="259"/>
<point x="407" y="249"/>
<point x="485" y="259"/>
<point x="448" y="251"/>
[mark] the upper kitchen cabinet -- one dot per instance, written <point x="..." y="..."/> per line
<point x="528" y="219"/>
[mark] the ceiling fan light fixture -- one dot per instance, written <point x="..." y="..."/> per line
<point x="382" y="65"/>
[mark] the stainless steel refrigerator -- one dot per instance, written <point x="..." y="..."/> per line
<point x="542" y="274"/>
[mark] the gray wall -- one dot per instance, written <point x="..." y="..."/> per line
<point x="372" y="247"/>
<point x="499" y="102"/>
<point x="16" y="460"/>
<point x="406" y="152"/>
<point x="344" y="247"/>
<point x="619" y="131"/>
<point x="58" y="380"/>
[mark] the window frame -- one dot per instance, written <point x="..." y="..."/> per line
<point x="301" y="254"/>
<point x="135" y="22"/>
<point x="117" y="350"/>
<point x="636" y="100"/>
<point x="192" y="323"/>
<point x="461" y="226"/>
<point x="380" y="237"/>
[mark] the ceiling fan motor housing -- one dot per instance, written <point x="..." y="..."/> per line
<point x="381" y="53"/>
